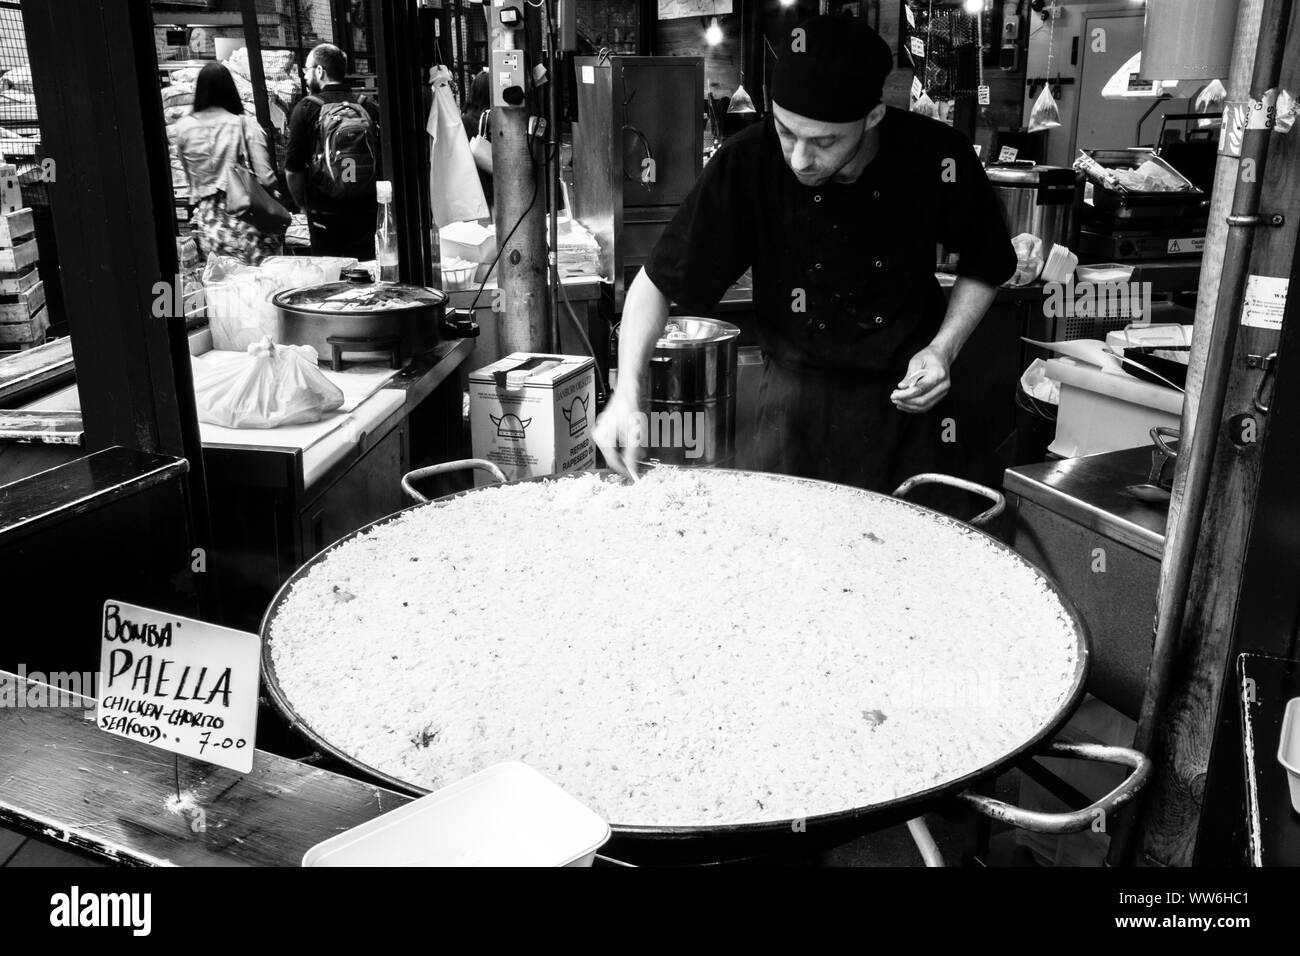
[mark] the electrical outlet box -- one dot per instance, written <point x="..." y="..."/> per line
<point x="508" y="78"/>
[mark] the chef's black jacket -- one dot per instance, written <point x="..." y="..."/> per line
<point x="857" y="257"/>
<point x="844" y="289"/>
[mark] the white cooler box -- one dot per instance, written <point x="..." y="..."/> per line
<point x="1104" y="411"/>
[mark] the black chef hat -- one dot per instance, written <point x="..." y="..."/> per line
<point x="831" y="69"/>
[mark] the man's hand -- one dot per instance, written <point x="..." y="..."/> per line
<point x="620" y="432"/>
<point x="925" y="383"/>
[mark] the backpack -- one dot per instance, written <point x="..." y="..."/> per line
<point x="346" y="162"/>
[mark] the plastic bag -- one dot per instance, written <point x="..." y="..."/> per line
<point x="1029" y="259"/>
<point x="455" y="192"/>
<point x="1045" y="115"/>
<point x="292" y="272"/>
<point x="925" y="106"/>
<point x="238" y="299"/>
<point x="1036" y="384"/>
<point x="277" y="385"/>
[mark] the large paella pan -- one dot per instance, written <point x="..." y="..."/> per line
<point x="722" y="663"/>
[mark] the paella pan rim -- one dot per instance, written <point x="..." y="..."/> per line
<point x="895" y="808"/>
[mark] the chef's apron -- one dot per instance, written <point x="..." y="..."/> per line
<point x="843" y="428"/>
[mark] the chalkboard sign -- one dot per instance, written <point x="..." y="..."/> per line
<point x="179" y="684"/>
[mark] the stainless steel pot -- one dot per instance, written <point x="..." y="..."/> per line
<point x="360" y="317"/>
<point x="1041" y="200"/>
<point x="693" y="393"/>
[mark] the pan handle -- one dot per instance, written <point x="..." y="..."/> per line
<point x="448" y="466"/>
<point x="1077" y="820"/>
<point x="930" y="478"/>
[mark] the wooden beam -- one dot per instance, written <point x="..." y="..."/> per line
<point x="95" y="75"/>
<point x="1179" y="719"/>
<point x="404" y="116"/>
<point x="256" y="75"/>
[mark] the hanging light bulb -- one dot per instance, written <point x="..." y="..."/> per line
<point x="974" y="6"/>
<point x="713" y="35"/>
<point x="788" y="3"/>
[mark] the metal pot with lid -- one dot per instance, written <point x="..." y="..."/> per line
<point x="358" y="315"/>
<point x="1041" y="200"/>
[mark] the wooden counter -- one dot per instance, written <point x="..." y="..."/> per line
<point x="63" y="780"/>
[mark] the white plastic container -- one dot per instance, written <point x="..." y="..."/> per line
<point x="1104" y="411"/>
<point x="1288" y="749"/>
<point x="473" y="241"/>
<point x="506" y="815"/>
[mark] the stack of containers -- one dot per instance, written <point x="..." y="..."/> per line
<point x="23" y="317"/>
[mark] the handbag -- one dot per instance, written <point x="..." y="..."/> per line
<point x="248" y="200"/>
<point x="481" y="146"/>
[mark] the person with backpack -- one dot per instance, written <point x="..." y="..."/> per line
<point x="332" y="162"/>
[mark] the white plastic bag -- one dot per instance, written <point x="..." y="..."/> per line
<point x="455" y="193"/>
<point x="239" y="306"/>
<point x="1029" y="259"/>
<point x="277" y="385"/>
<point x="292" y="272"/>
<point x="1046" y="114"/>
<point x="1036" y="384"/>
<point x="925" y="106"/>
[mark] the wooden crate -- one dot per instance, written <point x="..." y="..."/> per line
<point x="17" y="308"/>
<point x="26" y="333"/>
<point x="17" y="284"/>
<point x="15" y="227"/>
<point x="17" y="260"/>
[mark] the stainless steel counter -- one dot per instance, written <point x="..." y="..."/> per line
<point x="1090" y="491"/>
<point x="1073" y="519"/>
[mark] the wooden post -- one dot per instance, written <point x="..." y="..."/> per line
<point x="102" y="119"/>
<point x="520" y="196"/>
<point x="404" y="116"/>
<point x="1192" y="663"/>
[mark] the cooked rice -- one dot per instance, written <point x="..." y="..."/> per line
<point x="699" y="648"/>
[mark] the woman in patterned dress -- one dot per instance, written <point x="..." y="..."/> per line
<point x="217" y="135"/>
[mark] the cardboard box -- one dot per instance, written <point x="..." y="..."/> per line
<point x="532" y="414"/>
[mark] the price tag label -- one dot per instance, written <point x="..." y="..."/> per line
<point x="983" y="93"/>
<point x="179" y="684"/>
<point x="918" y="47"/>
<point x="1008" y="154"/>
<point x="916" y="87"/>
<point x="911" y="17"/>
<point x="1264" y="302"/>
<point x="589" y="74"/>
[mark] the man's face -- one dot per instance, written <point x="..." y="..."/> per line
<point x="315" y="76"/>
<point x="815" y="151"/>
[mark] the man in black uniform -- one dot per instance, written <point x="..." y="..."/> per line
<point x="836" y="202"/>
